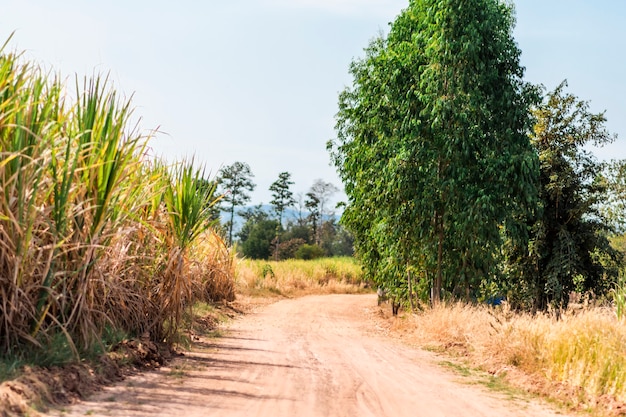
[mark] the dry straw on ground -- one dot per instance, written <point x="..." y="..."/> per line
<point x="579" y="359"/>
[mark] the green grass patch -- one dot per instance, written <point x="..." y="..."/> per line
<point x="300" y="277"/>
<point x="496" y="383"/>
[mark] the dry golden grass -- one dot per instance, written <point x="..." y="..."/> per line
<point x="94" y="236"/>
<point x="579" y="359"/>
<point x="213" y="268"/>
<point x="295" y="277"/>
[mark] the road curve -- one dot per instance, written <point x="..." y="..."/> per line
<point x="311" y="356"/>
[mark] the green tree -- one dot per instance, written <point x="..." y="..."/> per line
<point x="317" y="203"/>
<point x="236" y="182"/>
<point x="615" y="206"/>
<point x="251" y="216"/>
<point x="297" y="231"/>
<point x="569" y="249"/>
<point x="312" y="204"/>
<point x="335" y="239"/>
<point x="282" y="197"/>
<point x="259" y="240"/>
<point x="323" y="191"/>
<point x="432" y="145"/>
<point x="257" y="233"/>
<point x="309" y="252"/>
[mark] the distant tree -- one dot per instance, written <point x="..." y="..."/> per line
<point x="287" y="248"/>
<point x="569" y="249"/>
<point x="300" y="205"/>
<point x="312" y="204"/>
<point x="323" y="191"/>
<point x="615" y="206"/>
<point x="282" y="197"/>
<point x="259" y="240"/>
<point x="308" y="252"/>
<point x="258" y="233"/>
<point x="343" y="243"/>
<point x="317" y="202"/>
<point x="297" y="231"/>
<point x="327" y="233"/>
<point x="236" y="182"/>
<point x="335" y="240"/>
<point x="251" y="216"/>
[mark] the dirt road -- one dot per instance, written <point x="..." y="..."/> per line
<point x="313" y="356"/>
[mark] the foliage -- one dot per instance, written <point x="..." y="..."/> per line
<point x="210" y="186"/>
<point x="432" y="145"/>
<point x="188" y="208"/>
<point x="94" y="237"/>
<point x="295" y="231"/>
<point x="614" y="208"/>
<point x="335" y="239"/>
<point x="251" y="215"/>
<point x="235" y="182"/>
<point x="282" y="197"/>
<point x="259" y="241"/>
<point x="317" y="201"/>
<point x="312" y="204"/>
<point x="568" y="249"/>
<point x="287" y="249"/>
<point x="308" y="252"/>
<point x="188" y="201"/>
<point x="321" y="191"/>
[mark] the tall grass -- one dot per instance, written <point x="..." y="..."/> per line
<point x="619" y="296"/>
<point x="94" y="235"/>
<point x="584" y="352"/>
<point x="298" y="277"/>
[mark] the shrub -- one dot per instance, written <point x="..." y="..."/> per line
<point x="308" y="252"/>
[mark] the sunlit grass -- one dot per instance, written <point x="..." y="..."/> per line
<point x="299" y="277"/>
<point x="584" y="352"/>
<point x="95" y="236"/>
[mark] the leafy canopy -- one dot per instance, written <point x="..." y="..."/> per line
<point x="569" y="249"/>
<point x="282" y="197"/>
<point x="432" y="146"/>
<point x="236" y="183"/>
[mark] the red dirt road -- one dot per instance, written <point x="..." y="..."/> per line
<point x="312" y="356"/>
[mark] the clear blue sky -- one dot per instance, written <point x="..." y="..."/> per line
<point x="257" y="80"/>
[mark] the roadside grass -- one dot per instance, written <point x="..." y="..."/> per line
<point x="99" y="241"/>
<point x="295" y="277"/>
<point x="495" y="383"/>
<point x="578" y="360"/>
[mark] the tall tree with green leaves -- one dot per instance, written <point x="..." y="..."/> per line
<point x="615" y="206"/>
<point x="257" y="233"/>
<point x="282" y="197"/>
<point x="323" y="191"/>
<point x="236" y="183"/>
<point x="317" y="202"/>
<point x="432" y="146"/>
<point x="312" y="204"/>
<point x="569" y="249"/>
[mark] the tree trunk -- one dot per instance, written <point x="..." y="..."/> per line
<point x="436" y="293"/>
<point x="410" y="283"/>
<point x="230" y="229"/>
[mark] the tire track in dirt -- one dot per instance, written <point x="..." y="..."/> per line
<point x="306" y="357"/>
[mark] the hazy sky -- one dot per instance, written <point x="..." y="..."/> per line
<point x="257" y="80"/>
